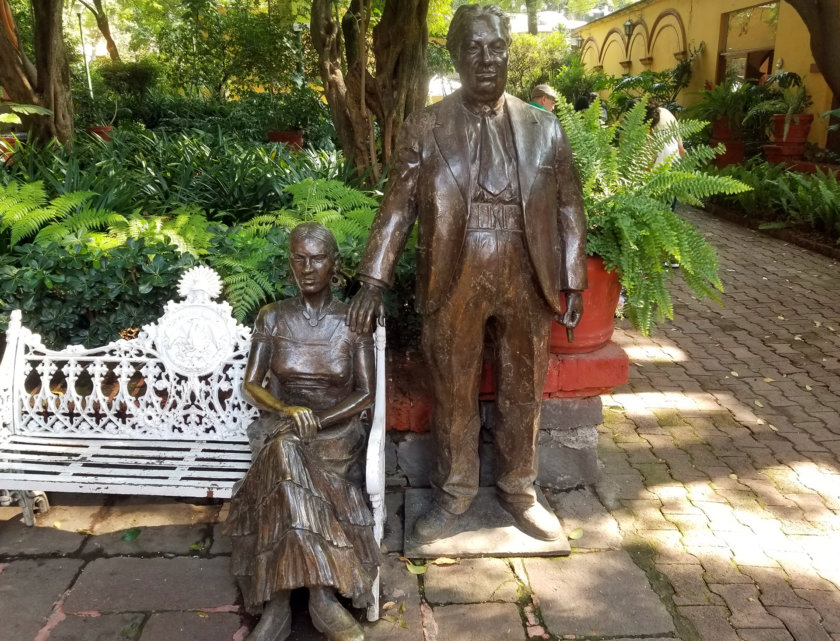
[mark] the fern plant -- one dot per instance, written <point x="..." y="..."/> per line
<point x="25" y="211"/>
<point x="630" y="223"/>
<point x="252" y="258"/>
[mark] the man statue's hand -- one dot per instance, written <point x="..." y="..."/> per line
<point x="367" y="303"/>
<point x="574" y="309"/>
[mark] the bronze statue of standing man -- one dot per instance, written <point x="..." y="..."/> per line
<point x="501" y="242"/>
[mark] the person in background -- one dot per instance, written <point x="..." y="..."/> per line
<point x="544" y="97"/>
<point x="662" y="120"/>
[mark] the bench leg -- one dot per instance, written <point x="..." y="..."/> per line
<point x="30" y="502"/>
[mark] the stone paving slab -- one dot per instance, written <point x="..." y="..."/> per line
<point x="191" y="626"/>
<point x="128" y="584"/>
<point x="20" y="540"/>
<point x="487" y="622"/>
<point x="161" y="539"/>
<point x="471" y="581"/>
<point x="597" y="594"/>
<point x="105" y="627"/>
<point x="29" y="590"/>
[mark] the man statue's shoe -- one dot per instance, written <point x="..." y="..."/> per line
<point x="535" y="520"/>
<point x="331" y="618"/>
<point x="436" y="523"/>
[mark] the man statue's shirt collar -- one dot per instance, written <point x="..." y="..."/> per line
<point x="484" y="109"/>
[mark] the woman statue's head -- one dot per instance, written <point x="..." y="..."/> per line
<point x="313" y="257"/>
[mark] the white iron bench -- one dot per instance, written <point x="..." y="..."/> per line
<point x="162" y="414"/>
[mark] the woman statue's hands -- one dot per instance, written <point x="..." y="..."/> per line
<point x="306" y="422"/>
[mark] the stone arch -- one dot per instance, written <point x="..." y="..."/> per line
<point x="589" y="53"/>
<point x="613" y="52"/>
<point x="667" y="26"/>
<point x="639" y="48"/>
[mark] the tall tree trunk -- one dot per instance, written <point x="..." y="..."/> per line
<point x="350" y="123"/>
<point x="402" y="77"/>
<point x="104" y="26"/>
<point x="531" y="7"/>
<point x="47" y="83"/>
<point x="822" y="17"/>
<point x="399" y="87"/>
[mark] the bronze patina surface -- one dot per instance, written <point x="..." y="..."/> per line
<point x="299" y="518"/>
<point x="489" y="181"/>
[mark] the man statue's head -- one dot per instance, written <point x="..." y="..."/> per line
<point x="478" y="41"/>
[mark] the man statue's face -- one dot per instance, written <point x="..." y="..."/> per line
<point x="482" y="62"/>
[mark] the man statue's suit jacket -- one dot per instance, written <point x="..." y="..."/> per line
<point x="430" y="183"/>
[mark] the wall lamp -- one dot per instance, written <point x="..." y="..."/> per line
<point x="628" y="28"/>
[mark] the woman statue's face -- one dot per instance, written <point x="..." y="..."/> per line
<point x="312" y="264"/>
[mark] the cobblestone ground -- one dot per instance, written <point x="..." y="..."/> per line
<point x="721" y="455"/>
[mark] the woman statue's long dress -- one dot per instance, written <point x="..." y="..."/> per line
<point x="299" y="518"/>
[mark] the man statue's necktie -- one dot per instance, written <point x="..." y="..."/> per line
<point x="492" y="173"/>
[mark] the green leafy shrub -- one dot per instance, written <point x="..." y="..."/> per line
<point x="158" y="172"/>
<point x="79" y="294"/>
<point x="630" y="223"/>
<point x="784" y="198"/>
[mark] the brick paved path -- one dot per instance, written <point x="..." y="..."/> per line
<point x="721" y="455"/>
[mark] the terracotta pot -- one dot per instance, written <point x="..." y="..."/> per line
<point x="798" y="130"/>
<point x="598" y="321"/>
<point x="733" y="155"/>
<point x="722" y="132"/>
<point x="103" y="131"/>
<point x="773" y="153"/>
<point x="293" y="139"/>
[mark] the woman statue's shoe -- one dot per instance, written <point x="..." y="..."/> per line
<point x="276" y="621"/>
<point x="331" y="618"/>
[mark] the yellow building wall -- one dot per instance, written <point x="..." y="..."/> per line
<point x="666" y="30"/>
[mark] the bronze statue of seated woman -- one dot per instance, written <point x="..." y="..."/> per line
<point x="299" y="517"/>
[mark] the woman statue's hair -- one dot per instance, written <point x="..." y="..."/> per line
<point x="318" y="232"/>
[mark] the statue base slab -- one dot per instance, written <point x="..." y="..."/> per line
<point x="485" y="529"/>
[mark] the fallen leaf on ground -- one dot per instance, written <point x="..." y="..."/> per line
<point x="415" y="569"/>
<point x="203" y="615"/>
<point x="444" y="561"/>
<point x="57" y="525"/>
<point x="734" y="373"/>
<point x="759" y="403"/>
<point x="83" y="532"/>
<point x="130" y="535"/>
<point x="767" y="379"/>
<point x="575" y="534"/>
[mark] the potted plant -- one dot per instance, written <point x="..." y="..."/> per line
<point x="725" y="107"/>
<point x="292" y="113"/>
<point x="631" y="228"/>
<point x="106" y="126"/>
<point x="786" y="102"/>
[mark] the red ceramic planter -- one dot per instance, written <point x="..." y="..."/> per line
<point x="293" y="139"/>
<point x="103" y="131"/>
<point x="598" y="321"/>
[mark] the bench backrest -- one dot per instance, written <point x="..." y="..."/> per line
<point x="180" y="379"/>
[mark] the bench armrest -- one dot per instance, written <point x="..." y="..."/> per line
<point x="375" y="469"/>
